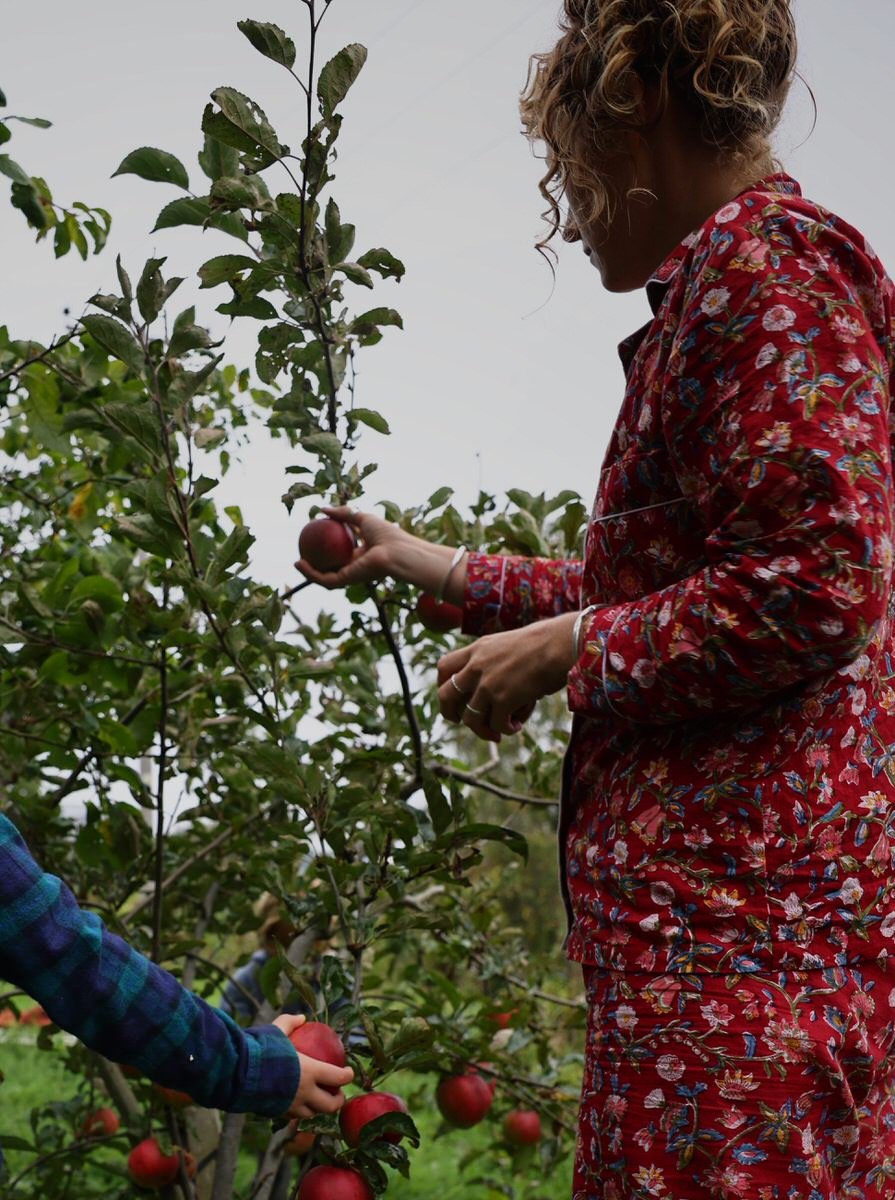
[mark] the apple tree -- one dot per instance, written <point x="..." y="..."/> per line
<point x="177" y="738"/>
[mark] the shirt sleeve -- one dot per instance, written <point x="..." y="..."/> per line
<point x="94" y="985"/>
<point x="775" y="411"/>
<point x="507" y="591"/>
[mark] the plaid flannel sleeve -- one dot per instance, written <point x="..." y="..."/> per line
<point x="94" y="985"/>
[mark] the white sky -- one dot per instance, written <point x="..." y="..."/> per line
<point x="494" y="380"/>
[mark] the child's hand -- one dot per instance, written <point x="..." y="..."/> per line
<point x="313" y="1095"/>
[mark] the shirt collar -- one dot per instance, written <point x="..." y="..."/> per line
<point x="658" y="284"/>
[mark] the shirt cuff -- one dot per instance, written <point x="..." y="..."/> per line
<point x="587" y="679"/>
<point x="483" y="597"/>
<point x="272" y="1073"/>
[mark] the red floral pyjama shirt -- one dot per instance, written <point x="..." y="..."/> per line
<point x="728" y="800"/>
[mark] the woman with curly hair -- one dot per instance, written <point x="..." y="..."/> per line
<point x="727" y="825"/>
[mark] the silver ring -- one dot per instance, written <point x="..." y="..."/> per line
<point x="475" y="711"/>
<point x="457" y="687"/>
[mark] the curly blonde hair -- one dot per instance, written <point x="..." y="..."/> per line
<point x="728" y="62"/>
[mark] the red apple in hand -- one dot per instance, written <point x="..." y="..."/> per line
<point x="522" y="1127"/>
<point x="334" y="1183"/>
<point x="463" y="1100"/>
<point x="320" y="1041"/>
<point x="440" y="618"/>
<point x="102" y="1122"/>
<point x="326" y="544"/>
<point x="360" y="1110"/>
<point x="149" y="1168"/>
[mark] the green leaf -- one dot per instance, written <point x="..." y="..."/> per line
<point x="113" y="336"/>
<point x="242" y="123"/>
<point x="151" y="290"/>
<point x="26" y="198"/>
<point x="270" y="41"/>
<point x="124" y="280"/>
<point x="439" y="807"/>
<point x="240" y="191"/>
<point x="102" y="589"/>
<point x="367" y="416"/>
<point x="217" y="158"/>
<point x="5" y="135"/>
<point x="38" y="122"/>
<point x="186" y="210"/>
<point x="383" y="262"/>
<point x="224" y="267"/>
<point x="187" y="335"/>
<point x="12" y="170"/>
<point x="234" y="549"/>
<point x="511" y="838"/>
<point x="158" y="166"/>
<point x="253" y="306"/>
<point x="338" y="75"/>
<point x="324" y="445"/>
<point x="355" y="273"/>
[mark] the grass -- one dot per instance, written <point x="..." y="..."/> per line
<point x="34" y="1077"/>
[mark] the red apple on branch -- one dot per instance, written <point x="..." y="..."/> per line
<point x="320" y="1041"/>
<point x="501" y="1019"/>
<point x="326" y="544"/>
<point x="334" y="1183"/>
<point x="464" y="1100"/>
<point x="172" y="1097"/>
<point x="300" y="1144"/>
<point x="522" y="1127"/>
<point x="360" y="1110"/>
<point x="148" y="1167"/>
<point x="439" y="618"/>
<point x="102" y="1122"/>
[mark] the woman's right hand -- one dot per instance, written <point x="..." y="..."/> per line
<point x="386" y="550"/>
<point x="376" y="557"/>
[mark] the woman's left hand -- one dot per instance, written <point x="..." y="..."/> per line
<point x="493" y="684"/>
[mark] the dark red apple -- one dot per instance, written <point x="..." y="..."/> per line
<point x="300" y="1144"/>
<point x="172" y="1097"/>
<point x="102" y="1122"/>
<point x="463" y="1100"/>
<point x="522" y="1127"/>
<point x="334" y="1183"/>
<point x="320" y="1041"/>
<point x="360" y="1110"/>
<point x="440" y="618"/>
<point x="326" y="544"/>
<point x="149" y="1168"/>
<point x="502" y="1019"/>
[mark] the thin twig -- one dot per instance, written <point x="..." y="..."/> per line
<point x="28" y="362"/>
<point x="415" y="736"/>
<point x="160" y="797"/>
<point x="474" y="780"/>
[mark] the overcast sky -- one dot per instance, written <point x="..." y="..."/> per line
<point x="495" y="380"/>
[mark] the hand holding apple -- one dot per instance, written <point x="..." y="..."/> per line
<point x="385" y="551"/>
<point x="323" y="1071"/>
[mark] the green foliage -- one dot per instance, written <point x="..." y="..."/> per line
<point x="71" y="227"/>
<point x="145" y="672"/>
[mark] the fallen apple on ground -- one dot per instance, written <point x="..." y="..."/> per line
<point x="326" y="544"/>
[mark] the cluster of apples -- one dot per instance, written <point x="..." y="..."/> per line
<point x="329" y="545"/>
<point x="465" y="1099"/>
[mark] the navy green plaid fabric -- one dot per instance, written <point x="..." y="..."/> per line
<point x="96" y="986"/>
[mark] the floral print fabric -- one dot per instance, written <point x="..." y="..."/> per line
<point x="706" y="1086"/>
<point x="728" y="806"/>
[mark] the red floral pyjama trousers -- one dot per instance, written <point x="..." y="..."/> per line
<point x="762" y="1087"/>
